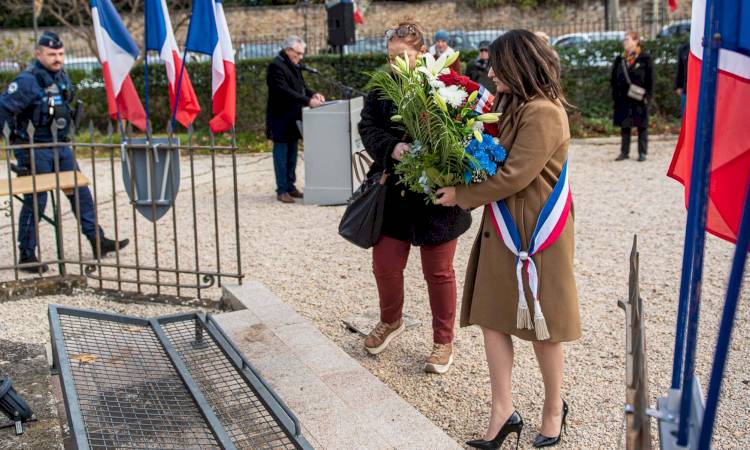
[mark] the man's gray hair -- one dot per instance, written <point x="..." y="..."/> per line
<point x="292" y="40"/>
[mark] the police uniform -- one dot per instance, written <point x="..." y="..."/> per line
<point x="43" y="97"/>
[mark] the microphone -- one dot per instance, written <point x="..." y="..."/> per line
<point x="307" y="68"/>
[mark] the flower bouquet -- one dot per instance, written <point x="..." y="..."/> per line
<point x="446" y="115"/>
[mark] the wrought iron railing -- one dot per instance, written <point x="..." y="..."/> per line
<point x="184" y="239"/>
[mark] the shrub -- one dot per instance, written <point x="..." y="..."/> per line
<point x="586" y="74"/>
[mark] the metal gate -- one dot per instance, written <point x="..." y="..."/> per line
<point x="174" y="198"/>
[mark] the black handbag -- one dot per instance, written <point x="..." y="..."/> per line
<point x="363" y="219"/>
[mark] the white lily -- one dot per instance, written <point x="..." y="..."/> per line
<point x="432" y="67"/>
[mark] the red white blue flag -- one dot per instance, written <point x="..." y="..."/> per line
<point x="117" y="52"/>
<point x="730" y="164"/>
<point x="208" y="34"/>
<point x="160" y="37"/>
<point x="549" y="226"/>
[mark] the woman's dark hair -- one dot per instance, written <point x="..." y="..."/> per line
<point x="529" y="66"/>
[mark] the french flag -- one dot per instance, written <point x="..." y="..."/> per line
<point x="208" y="34"/>
<point x="730" y="165"/>
<point x="117" y="52"/>
<point x="160" y="37"/>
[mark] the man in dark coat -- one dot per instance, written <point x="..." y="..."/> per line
<point x="479" y="69"/>
<point x="680" y="81"/>
<point x="634" y="66"/>
<point x="287" y="95"/>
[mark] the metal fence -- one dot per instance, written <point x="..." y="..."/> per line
<point x="572" y="32"/>
<point x="184" y="239"/>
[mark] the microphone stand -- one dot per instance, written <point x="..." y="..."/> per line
<point x="347" y="92"/>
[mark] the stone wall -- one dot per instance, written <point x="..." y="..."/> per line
<point x="275" y="23"/>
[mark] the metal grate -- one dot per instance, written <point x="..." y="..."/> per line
<point x="241" y="412"/>
<point x="171" y="383"/>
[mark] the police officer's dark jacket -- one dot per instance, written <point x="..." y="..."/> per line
<point x="39" y="96"/>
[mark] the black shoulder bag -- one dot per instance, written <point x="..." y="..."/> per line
<point x="363" y="219"/>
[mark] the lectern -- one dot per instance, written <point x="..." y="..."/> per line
<point x="331" y="138"/>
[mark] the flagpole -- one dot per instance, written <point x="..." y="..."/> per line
<point x="145" y="64"/>
<point x="695" y="233"/>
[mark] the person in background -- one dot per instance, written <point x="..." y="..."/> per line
<point x="478" y="69"/>
<point x="287" y="95"/>
<point x="42" y="95"/>
<point x="633" y="66"/>
<point x="408" y="221"/>
<point x="441" y="47"/>
<point x="680" y="81"/>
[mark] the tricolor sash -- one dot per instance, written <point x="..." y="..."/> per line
<point x="548" y="228"/>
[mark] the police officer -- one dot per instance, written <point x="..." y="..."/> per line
<point x="42" y="95"/>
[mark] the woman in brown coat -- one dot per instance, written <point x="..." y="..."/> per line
<point x="534" y="129"/>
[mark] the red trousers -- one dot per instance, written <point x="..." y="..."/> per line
<point x="389" y="258"/>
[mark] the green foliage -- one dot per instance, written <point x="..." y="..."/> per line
<point x="586" y="74"/>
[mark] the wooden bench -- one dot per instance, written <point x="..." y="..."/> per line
<point x="45" y="182"/>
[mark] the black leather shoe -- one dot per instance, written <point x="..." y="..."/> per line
<point x="621" y="157"/>
<point x="31" y="259"/>
<point x="107" y="246"/>
<point x="514" y="424"/>
<point x="641" y="158"/>
<point x="544" y="441"/>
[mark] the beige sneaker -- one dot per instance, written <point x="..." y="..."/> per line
<point x="382" y="335"/>
<point x="440" y="359"/>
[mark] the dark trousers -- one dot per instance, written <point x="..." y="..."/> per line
<point x="44" y="160"/>
<point x="642" y="140"/>
<point x="389" y="258"/>
<point x="285" y="165"/>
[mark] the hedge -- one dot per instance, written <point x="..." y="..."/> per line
<point x="586" y="73"/>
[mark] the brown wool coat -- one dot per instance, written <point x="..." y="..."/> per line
<point x="537" y="143"/>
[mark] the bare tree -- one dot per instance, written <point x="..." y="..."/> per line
<point x="75" y="15"/>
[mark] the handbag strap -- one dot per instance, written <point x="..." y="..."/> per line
<point x="360" y="162"/>
<point x="625" y="71"/>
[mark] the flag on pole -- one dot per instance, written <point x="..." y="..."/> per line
<point x="357" y="14"/>
<point x="730" y="165"/>
<point x="117" y="52"/>
<point x="356" y="11"/>
<point x="208" y="33"/>
<point x="160" y="37"/>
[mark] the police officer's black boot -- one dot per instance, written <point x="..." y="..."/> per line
<point x="30" y="258"/>
<point x="107" y="246"/>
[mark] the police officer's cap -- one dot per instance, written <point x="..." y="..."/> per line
<point x="484" y="45"/>
<point x="50" y="40"/>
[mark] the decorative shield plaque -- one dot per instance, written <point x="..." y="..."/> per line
<point x="151" y="175"/>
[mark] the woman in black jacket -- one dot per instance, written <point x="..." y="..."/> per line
<point x="409" y="220"/>
<point x="634" y="66"/>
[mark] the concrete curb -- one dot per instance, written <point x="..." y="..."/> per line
<point x="339" y="403"/>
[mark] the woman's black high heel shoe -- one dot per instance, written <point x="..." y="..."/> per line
<point x="514" y="424"/>
<point x="544" y="441"/>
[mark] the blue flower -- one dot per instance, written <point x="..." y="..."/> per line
<point x="487" y="155"/>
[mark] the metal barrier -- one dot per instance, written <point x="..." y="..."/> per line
<point x="168" y="255"/>
<point x="169" y="382"/>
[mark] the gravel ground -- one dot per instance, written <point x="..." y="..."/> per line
<point x="296" y="252"/>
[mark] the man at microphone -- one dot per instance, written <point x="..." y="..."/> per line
<point x="287" y="95"/>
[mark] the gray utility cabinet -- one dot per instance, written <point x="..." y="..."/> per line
<point x="331" y="138"/>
